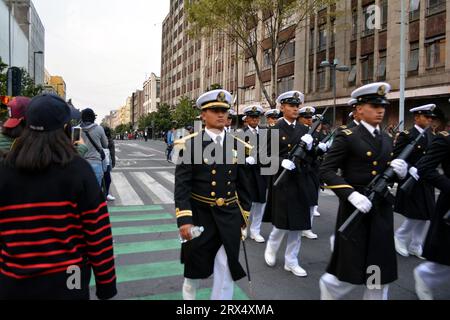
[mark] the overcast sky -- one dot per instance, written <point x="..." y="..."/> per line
<point x="104" y="49"/>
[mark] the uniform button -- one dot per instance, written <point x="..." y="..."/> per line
<point x="375" y="163"/>
<point x="213" y="194"/>
<point x="206" y="160"/>
<point x="214" y="183"/>
<point x="289" y="146"/>
<point x="374" y="173"/>
<point x="229" y="183"/>
<point x="214" y="172"/>
<point x="229" y="194"/>
<point x="284" y="138"/>
<point x="419" y="147"/>
<point x="369" y="153"/>
<point x="392" y="154"/>
<point x="389" y="163"/>
<point x="229" y="172"/>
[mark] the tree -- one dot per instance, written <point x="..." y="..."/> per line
<point x="185" y="112"/>
<point x="242" y="22"/>
<point x="163" y="118"/>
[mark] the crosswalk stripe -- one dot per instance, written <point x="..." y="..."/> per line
<point x="135" y="209"/>
<point x="125" y="192"/>
<point x="149" y="217"/>
<point x="158" y="193"/>
<point x="167" y="176"/>
<point x="129" y="231"/>
<point x="202" y="294"/>
<point x="146" y="246"/>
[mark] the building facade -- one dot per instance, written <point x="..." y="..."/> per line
<point x="342" y="32"/>
<point x="58" y="85"/>
<point x="152" y="94"/>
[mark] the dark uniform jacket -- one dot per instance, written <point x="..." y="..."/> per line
<point x="437" y="245"/>
<point x="288" y="205"/>
<point x="420" y="203"/>
<point x="258" y="183"/>
<point x="215" y="196"/>
<point x="361" y="158"/>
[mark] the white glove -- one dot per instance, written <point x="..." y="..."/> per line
<point x="323" y="147"/>
<point x="309" y="140"/>
<point x="250" y="160"/>
<point x="414" y="173"/>
<point x="360" y="202"/>
<point x="400" y="168"/>
<point x="288" y="165"/>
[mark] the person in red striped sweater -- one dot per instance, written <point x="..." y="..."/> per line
<point x="54" y="222"/>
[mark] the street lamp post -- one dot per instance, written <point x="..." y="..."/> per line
<point x="334" y="67"/>
<point x="34" y="64"/>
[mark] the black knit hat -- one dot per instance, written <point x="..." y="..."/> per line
<point x="88" y="115"/>
<point x="47" y="112"/>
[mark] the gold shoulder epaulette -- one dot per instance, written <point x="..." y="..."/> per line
<point x="343" y="127"/>
<point x="248" y="146"/>
<point x="348" y="132"/>
<point x="406" y="132"/>
<point x="444" y="133"/>
<point x="180" y="143"/>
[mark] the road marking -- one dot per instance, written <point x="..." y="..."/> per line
<point x="157" y="192"/>
<point x="146" y="246"/>
<point x="125" y="192"/>
<point x="167" y="176"/>
<point x="134" y="218"/>
<point x="135" y="209"/>
<point x="129" y="231"/>
<point x="202" y="294"/>
<point x="135" y="145"/>
<point x="146" y="168"/>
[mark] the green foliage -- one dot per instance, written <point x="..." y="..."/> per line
<point x="185" y="112"/>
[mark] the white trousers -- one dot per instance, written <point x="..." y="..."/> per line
<point x="256" y="217"/>
<point x="294" y="242"/>
<point x="223" y="287"/>
<point x="412" y="233"/>
<point x="331" y="288"/>
<point x="434" y="275"/>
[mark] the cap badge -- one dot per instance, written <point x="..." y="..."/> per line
<point x="254" y="109"/>
<point x="221" y="97"/>
<point x="382" y="90"/>
<point x="296" y="95"/>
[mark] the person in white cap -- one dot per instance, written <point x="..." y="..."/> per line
<point x="258" y="182"/>
<point x="362" y="154"/>
<point x="272" y="117"/>
<point x="213" y="194"/>
<point x="232" y="115"/>
<point x="435" y="273"/>
<point x="419" y="204"/>
<point x="288" y="205"/>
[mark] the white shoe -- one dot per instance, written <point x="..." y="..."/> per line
<point x="110" y="198"/>
<point x="317" y="213"/>
<point x="296" y="270"/>
<point x="324" y="293"/>
<point x="310" y="235"/>
<point x="400" y="247"/>
<point x="422" y="290"/>
<point x="258" y="238"/>
<point x="416" y="252"/>
<point x="270" y="257"/>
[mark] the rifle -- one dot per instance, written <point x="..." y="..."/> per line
<point x="395" y="130"/>
<point x="299" y="151"/>
<point x="379" y="186"/>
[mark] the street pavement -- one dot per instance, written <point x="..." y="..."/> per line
<point x="147" y="248"/>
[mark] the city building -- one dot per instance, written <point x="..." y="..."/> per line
<point x="137" y="104"/>
<point x="58" y="84"/>
<point x="152" y="94"/>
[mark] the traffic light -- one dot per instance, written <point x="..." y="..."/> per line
<point x="14" y="81"/>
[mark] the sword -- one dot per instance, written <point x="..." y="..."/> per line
<point x="248" y="269"/>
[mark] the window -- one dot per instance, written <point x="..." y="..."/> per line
<point x="311" y="40"/>
<point x="249" y="66"/>
<point x="320" y="85"/>
<point x="367" y="69"/>
<point x="354" y="24"/>
<point x="352" y="76"/>
<point x="250" y="95"/>
<point x="285" y="84"/>
<point x="435" y="52"/>
<point x="311" y="81"/>
<point x="268" y="87"/>
<point x="367" y="17"/>
<point x="414" y="10"/>
<point x="333" y="33"/>
<point x="288" y="53"/>
<point x="381" y="74"/>
<point x="413" y="65"/>
<point x="322" y="45"/>
<point x="384" y="14"/>
<point x="267" y="62"/>
<point x="435" y="6"/>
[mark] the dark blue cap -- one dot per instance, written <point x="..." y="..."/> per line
<point x="47" y="112"/>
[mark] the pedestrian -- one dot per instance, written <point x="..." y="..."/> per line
<point x="418" y="205"/>
<point x="112" y="164"/>
<point x="54" y="222"/>
<point x="258" y="182"/>
<point x="435" y="273"/>
<point x="212" y="193"/>
<point x="15" y="124"/>
<point x="170" y="139"/>
<point x="362" y="153"/>
<point x="289" y="205"/>
<point x="95" y="139"/>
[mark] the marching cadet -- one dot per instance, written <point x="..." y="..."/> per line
<point x="419" y="205"/>
<point x="354" y="116"/>
<point x="289" y="205"/>
<point x="435" y="273"/>
<point x="232" y="116"/>
<point x="212" y="193"/>
<point x="362" y="153"/>
<point x="272" y="117"/>
<point x="258" y="183"/>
